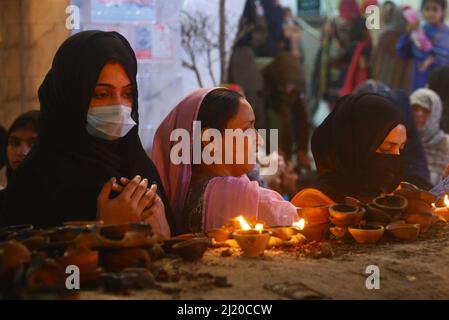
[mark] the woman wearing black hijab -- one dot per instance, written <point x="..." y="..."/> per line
<point x="357" y="148"/>
<point x="84" y="146"/>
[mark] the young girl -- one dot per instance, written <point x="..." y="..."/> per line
<point x="437" y="32"/>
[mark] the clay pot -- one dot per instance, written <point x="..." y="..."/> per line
<point x="66" y="233"/>
<point x="411" y="191"/>
<point x="343" y="215"/>
<point x="367" y="233"/>
<point x="36" y="242"/>
<point x="253" y="243"/>
<point x="220" y="235"/>
<point x="45" y="275"/>
<point x="403" y="231"/>
<point x="318" y="232"/>
<point x="418" y="206"/>
<point x="425" y="220"/>
<point x="86" y="224"/>
<point x="375" y="214"/>
<point x="314" y="215"/>
<point x="118" y="231"/>
<point x="191" y="250"/>
<point x="119" y="259"/>
<point x="339" y="232"/>
<point x="391" y="204"/>
<point x="283" y="233"/>
<point x="12" y="255"/>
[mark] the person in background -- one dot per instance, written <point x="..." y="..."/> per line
<point x="386" y="66"/>
<point x="357" y="149"/>
<point x="437" y="32"/>
<point x="276" y="40"/>
<point x="335" y="52"/>
<point x="361" y="47"/>
<point x="415" y="164"/>
<point x="284" y="89"/>
<point x="243" y="69"/>
<point x="427" y="109"/>
<point x="21" y="136"/>
<point x="439" y="82"/>
<point x="292" y="32"/>
<point x="88" y="142"/>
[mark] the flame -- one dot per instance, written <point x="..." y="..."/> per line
<point x="299" y="224"/>
<point x="434" y="206"/>
<point x="259" y="227"/>
<point x="446" y="200"/>
<point x="243" y="223"/>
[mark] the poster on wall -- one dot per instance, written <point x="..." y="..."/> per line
<point x="308" y="8"/>
<point x="122" y="10"/>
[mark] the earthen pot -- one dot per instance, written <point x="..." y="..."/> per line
<point x="317" y="232"/>
<point x="45" y="275"/>
<point x="192" y="249"/>
<point x="391" y="204"/>
<point x="367" y="233"/>
<point x="403" y="231"/>
<point x="12" y="255"/>
<point x="253" y="243"/>
<point x="425" y="220"/>
<point x="418" y="206"/>
<point x="314" y="215"/>
<point x="219" y="235"/>
<point x="375" y="214"/>
<point x="283" y="233"/>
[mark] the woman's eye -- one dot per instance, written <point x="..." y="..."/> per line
<point x="101" y="95"/>
<point x="128" y="95"/>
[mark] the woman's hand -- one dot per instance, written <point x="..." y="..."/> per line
<point x="154" y="212"/>
<point x="129" y="205"/>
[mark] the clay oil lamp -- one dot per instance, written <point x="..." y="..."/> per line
<point x="12" y="255"/>
<point x="344" y="215"/>
<point x="285" y="233"/>
<point x="191" y="249"/>
<point x="424" y="219"/>
<point x="442" y="211"/>
<point x="365" y="234"/>
<point x="403" y="231"/>
<point x="392" y="204"/>
<point x="252" y="241"/>
<point x="317" y="221"/>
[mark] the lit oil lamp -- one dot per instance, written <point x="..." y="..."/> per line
<point x="442" y="212"/>
<point x="252" y="241"/>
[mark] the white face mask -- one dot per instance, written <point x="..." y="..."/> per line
<point x="109" y="122"/>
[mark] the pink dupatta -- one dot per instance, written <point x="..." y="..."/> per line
<point x="225" y="197"/>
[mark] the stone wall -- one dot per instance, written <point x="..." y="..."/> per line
<point x="30" y="33"/>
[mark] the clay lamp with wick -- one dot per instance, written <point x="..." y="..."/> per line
<point x="252" y="241"/>
<point x="442" y="211"/>
<point x="285" y="233"/>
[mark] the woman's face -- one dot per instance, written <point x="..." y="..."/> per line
<point x="113" y="87"/>
<point x="433" y="13"/>
<point x="394" y="142"/>
<point x="244" y="119"/>
<point x="19" y="144"/>
<point x="421" y="115"/>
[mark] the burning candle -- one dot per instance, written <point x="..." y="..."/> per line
<point x="259" y="227"/>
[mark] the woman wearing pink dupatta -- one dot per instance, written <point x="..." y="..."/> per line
<point x="206" y="197"/>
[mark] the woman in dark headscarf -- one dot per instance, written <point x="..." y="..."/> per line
<point x="88" y="139"/>
<point x="357" y="148"/>
<point x="415" y="163"/>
